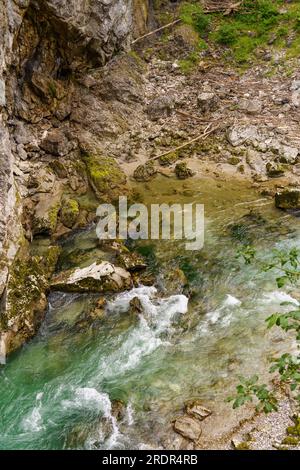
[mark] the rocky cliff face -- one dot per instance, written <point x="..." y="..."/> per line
<point x="57" y="104"/>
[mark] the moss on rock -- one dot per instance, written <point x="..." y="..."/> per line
<point x="105" y="176"/>
<point x="288" y="199"/>
<point x="25" y="301"/>
<point x="69" y="212"/>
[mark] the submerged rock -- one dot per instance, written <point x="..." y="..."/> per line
<point x="288" y="199"/>
<point x="197" y="410"/>
<point x="188" y="427"/>
<point x="101" y="277"/>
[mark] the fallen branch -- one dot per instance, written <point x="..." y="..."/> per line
<point x="157" y="30"/>
<point x="203" y="136"/>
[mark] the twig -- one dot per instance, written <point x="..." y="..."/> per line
<point x="191" y="116"/>
<point x="203" y="136"/>
<point x="157" y="30"/>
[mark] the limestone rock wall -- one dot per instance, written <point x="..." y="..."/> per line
<point x="57" y="102"/>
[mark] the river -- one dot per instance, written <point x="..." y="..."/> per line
<point x="58" y="391"/>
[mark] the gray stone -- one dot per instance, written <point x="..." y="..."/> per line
<point x="238" y="135"/>
<point x="250" y="106"/>
<point x="207" y="102"/>
<point x="161" y="106"/>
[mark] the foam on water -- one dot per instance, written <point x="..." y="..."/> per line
<point x="278" y="297"/>
<point x="33" y="421"/>
<point x="156" y="319"/>
<point x="221" y="315"/>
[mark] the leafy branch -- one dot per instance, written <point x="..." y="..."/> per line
<point x="287" y="365"/>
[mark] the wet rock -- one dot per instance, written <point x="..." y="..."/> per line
<point x="197" y="410"/>
<point x="207" y="102"/>
<point x="135" y="306"/>
<point x="188" y="427"/>
<point x="145" y="172"/>
<point x="98" y="312"/>
<point x="161" y="107"/>
<point x="182" y="171"/>
<point x="98" y="277"/>
<point x="288" y="199"/>
<point x="69" y="212"/>
<point x="250" y="106"/>
<point x="56" y="143"/>
<point x="131" y="261"/>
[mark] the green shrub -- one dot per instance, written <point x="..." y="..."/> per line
<point x="226" y="35"/>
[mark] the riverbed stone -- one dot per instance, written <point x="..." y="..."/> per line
<point x="197" y="410"/>
<point x="188" y="427"/>
<point x="131" y="261"/>
<point x="238" y="135"/>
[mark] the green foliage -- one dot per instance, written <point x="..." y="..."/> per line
<point x="192" y="14"/>
<point x="247" y="253"/>
<point x="248" y="389"/>
<point x="287" y="263"/>
<point x="226" y="34"/>
<point x="287" y="365"/>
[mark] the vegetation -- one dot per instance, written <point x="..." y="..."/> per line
<point x="287" y="366"/>
<point x="255" y="24"/>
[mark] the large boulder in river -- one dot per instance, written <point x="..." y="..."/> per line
<point x="288" y="199"/>
<point x="101" y="277"/>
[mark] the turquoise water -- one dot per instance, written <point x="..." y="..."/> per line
<point x="59" y="391"/>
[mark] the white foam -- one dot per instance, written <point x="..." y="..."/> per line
<point x="231" y="301"/>
<point x="90" y="398"/>
<point x="277" y="297"/>
<point x="33" y="421"/>
<point x="129" y="414"/>
<point x="156" y="319"/>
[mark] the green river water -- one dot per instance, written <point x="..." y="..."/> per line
<point x="56" y="393"/>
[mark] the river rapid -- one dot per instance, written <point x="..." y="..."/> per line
<point x="61" y="390"/>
